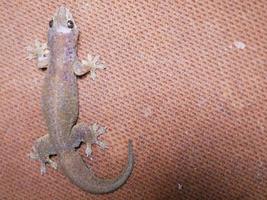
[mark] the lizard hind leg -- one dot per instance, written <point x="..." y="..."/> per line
<point x="41" y="151"/>
<point x="89" y="135"/>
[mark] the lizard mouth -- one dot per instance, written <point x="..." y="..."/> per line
<point x="62" y="13"/>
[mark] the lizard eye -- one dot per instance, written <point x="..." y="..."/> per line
<point x="70" y="24"/>
<point x="51" y="23"/>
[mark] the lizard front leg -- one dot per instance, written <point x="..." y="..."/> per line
<point x="88" y="134"/>
<point x="40" y="52"/>
<point x="41" y="151"/>
<point x="91" y="64"/>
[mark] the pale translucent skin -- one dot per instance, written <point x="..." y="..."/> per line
<point x="60" y="109"/>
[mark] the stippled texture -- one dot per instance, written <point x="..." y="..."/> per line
<point x="186" y="81"/>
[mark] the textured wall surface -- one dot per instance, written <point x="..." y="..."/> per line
<point x="186" y="81"/>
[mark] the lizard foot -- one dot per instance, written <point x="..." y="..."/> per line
<point x="34" y="155"/>
<point x="96" y="130"/>
<point x="39" y="51"/>
<point x="94" y="63"/>
<point x="41" y="151"/>
<point x="87" y="134"/>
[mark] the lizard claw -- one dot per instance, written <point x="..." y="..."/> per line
<point x="52" y="163"/>
<point x="94" y="63"/>
<point x="33" y="155"/>
<point x="43" y="165"/>
<point x="103" y="145"/>
<point x="88" y="150"/>
<point x="43" y="168"/>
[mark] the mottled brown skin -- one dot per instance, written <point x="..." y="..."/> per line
<point x="60" y="109"/>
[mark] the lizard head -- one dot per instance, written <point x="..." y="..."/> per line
<point x="62" y="27"/>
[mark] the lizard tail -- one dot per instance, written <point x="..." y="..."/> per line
<point x="77" y="171"/>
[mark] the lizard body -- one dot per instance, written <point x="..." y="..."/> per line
<point x="60" y="108"/>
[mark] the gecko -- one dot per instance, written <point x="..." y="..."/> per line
<point x="59" y="103"/>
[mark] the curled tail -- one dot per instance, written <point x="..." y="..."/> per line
<point x="76" y="170"/>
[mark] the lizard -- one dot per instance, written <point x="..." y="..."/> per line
<point x="59" y="103"/>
